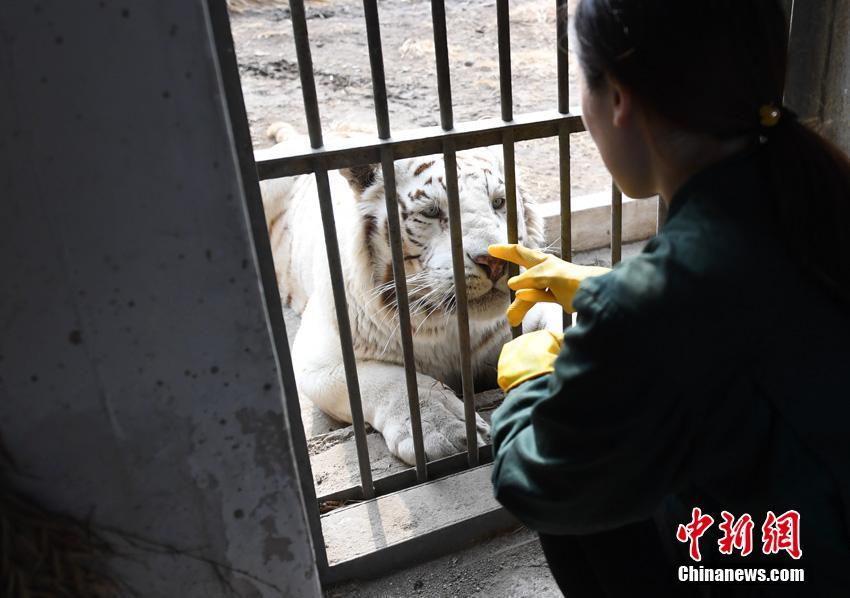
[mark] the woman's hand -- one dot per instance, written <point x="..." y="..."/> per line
<point x="527" y="357"/>
<point x="547" y="278"/>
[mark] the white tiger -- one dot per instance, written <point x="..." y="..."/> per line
<point x="294" y="223"/>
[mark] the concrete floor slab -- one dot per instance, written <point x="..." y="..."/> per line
<point x="394" y="519"/>
<point x="511" y="565"/>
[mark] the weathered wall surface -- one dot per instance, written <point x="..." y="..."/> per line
<point x="137" y="372"/>
<point x="819" y="66"/>
<point x="837" y="92"/>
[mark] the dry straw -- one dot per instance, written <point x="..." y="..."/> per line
<point x="47" y="554"/>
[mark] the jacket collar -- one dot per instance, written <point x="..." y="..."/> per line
<point x="735" y="176"/>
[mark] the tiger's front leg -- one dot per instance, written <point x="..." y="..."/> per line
<point x="442" y="413"/>
<point x="321" y="379"/>
<point x="383" y="393"/>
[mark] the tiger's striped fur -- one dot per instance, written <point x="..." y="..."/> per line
<point x="295" y="230"/>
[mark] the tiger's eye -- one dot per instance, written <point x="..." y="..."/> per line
<point x="498" y="203"/>
<point x="431" y="211"/>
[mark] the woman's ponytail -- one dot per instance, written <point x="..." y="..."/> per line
<point x="810" y="179"/>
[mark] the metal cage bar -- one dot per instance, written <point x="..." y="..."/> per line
<point x="503" y="24"/>
<point x="311" y="108"/>
<point x="441" y="51"/>
<point x="562" y="43"/>
<point x="376" y="59"/>
<point x="376" y="63"/>
<point x="616" y="224"/>
<point x="403" y="307"/>
<point x="421" y="142"/>
<point x="564" y="153"/>
<point x="461" y="305"/>
<point x="441" y="47"/>
<point x="508" y="152"/>
<point x="344" y="325"/>
<point x="407" y="477"/>
<point x="565" y="180"/>
<point x="305" y="71"/>
<point x="449" y="140"/>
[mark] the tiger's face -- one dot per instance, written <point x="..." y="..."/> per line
<point x="423" y="207"/>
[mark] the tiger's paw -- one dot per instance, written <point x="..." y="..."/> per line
<point x="443" y="427"/>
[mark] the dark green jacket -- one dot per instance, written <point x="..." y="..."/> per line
<point x="708" y="371"/>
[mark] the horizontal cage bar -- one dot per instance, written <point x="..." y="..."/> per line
<point x="407" y="478"/>
<point x="418" y="142"/>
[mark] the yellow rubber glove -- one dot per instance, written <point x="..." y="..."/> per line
<point x="547" y="278"/>
<point x="528" y="356"/>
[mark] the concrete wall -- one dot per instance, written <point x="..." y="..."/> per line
<point x="837" y="92"/>
<point x="137" y="370"/>
<point x="819" y="66"/>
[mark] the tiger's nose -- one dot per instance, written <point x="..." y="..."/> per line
<point x="492" y="266"/>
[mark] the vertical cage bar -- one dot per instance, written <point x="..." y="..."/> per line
<point x="511" y="199"/>
<point x="403" y="305"/>
<point x="373" y="31"/>
<point x="376" y="61"/>
<point x="503" y="24"/>
<point x="314" y="126"/>
<point x="461" y="301"/>
<point x="441" y="48"/>
<point x="441" y="51"/>
<point x="402" y="302"/>
<point x="562" y="42"/>
<point x="616" y="224"/>
<point x="265" y="266"/>
<point x="565" y="180"/>
<point x="563" y="45"/>
<point x="345" y="339"/>
<point x="506" y="97"/>
<point x="305" y="71"/>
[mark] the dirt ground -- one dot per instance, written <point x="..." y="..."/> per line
<point x="269" y="71"/>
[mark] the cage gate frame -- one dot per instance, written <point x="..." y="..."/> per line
<point x="448" y="138"/>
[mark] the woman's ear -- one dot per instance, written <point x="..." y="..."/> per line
<point x="622" y="103"/>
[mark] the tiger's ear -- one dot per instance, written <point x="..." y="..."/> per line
<point x="361" y="177"/>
